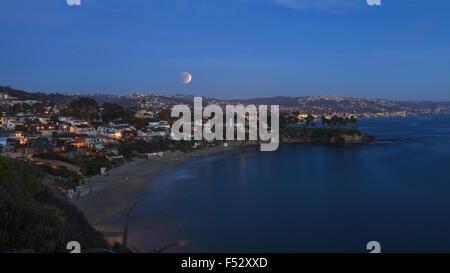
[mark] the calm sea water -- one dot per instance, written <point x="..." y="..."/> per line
<point x="309" y="198"/>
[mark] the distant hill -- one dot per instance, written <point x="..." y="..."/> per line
<point x="121" y="100"/>
<point x="369" y="106"/>
<point x="282" y="101"/>
<point x="351" y="105"/>
<point x="46" y="98"/>
<point x="314" y="104"/>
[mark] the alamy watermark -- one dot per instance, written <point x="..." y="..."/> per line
<point x="374" y="2"/>
<point x="73" y="2"/>
<point x="78" y="2"/>
<point x="236" y="120"/>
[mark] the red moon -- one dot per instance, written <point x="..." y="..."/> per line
<point x="185" y="77"/>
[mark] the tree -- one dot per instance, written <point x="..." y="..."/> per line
<point x="17" y="108"/>
<point x="130" y="118"/>
<point x="54" y="119"/>
<point x="334" y="121"/>
<point x="38" y="108"/>
<point x="293" y="120"/>
<point x="283" y="121"/>
<point x="84" y="109"/>
<point x="129" y="134"/>
<point x="164" y="114"/>
<point x="324" y="121"/>
<point x="138" y="123"/>
<point x="308" y="120"/>
<point x="341" y="122"/>
<point x="27" y="123"/>
<point x="112" y="111"/>
<point x="354" y="122"/>
<point x="21" y="128"/>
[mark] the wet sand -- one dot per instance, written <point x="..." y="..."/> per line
<point x="110" y="199"/>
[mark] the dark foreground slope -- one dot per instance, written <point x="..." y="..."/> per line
<point x="33" y="219"/>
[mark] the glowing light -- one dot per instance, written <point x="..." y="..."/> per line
<point x="185" y="77"/>
<point x="78" y="144"/>
<point x="118" y="135"/>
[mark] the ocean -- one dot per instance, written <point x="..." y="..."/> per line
<point x="308" y="198"/>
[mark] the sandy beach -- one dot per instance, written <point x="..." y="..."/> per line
<point x="110" y="199"/>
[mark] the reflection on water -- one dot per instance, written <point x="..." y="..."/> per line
<point x="308" y="198"/>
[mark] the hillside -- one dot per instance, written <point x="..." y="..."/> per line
<point x="318" y="105"/>
<point x="33" y="219"/>
<point x="282" y="101"/>
<point x="53" y="98"/>
<point x="352" y="105"/>
<point x="369" y="106"/>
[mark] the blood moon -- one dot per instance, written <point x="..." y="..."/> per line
<point x="185" y="77"/>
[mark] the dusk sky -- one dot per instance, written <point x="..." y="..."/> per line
<point x="232" y="48"/>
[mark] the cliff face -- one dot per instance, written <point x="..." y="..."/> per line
<point x="324" y="136"/>
<point x="33" y="218"/>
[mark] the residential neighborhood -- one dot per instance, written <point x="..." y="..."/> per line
<point x="76" y="137"/>
<point x="72" y="142"/>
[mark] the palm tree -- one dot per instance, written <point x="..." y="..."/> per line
<point x="324" y="121"/>
<point x="308" y="120"/>
<point x="334" y="121"/>
<point x="354" y="122"/>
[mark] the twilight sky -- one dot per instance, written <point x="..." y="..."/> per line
<point x="232" y="48"/>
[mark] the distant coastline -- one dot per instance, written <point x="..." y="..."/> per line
<point x="324" y="136"/>
<point x="317" y="105"/>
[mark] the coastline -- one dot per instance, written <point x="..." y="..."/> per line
<point x="110" y="197"/>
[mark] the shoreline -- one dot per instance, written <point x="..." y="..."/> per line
<point x="111" y="197"/>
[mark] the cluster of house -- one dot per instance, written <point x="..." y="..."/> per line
<point x="6" y="99"/>
<point x="21" y="139"/>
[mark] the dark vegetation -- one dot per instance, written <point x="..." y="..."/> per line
<point x="324" y="135"/>
<point x="335" y="121"/>
<point x="83" y="109"/>
<point x="54" y="156"/>
<point x="34" y="219"/>
<point x="63" y="177"/>
<point x="51" y="98"/>
<point x="90" y="165"/>
<point x="129" y="148"/>
<point x="315" y="132"/>
<point x="113" y="112"/>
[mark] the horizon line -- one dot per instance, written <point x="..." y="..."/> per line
<point x="122" y="94"/>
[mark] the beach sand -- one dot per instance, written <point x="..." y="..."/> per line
<point x="110" y="196"/>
